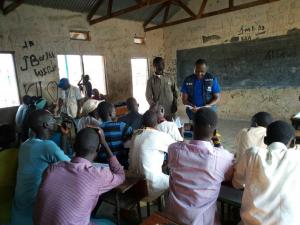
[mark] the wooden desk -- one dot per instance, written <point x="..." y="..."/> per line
<point x="230" y="197"/>
<point x="126" y="195"/>
<point x="158" y="218"/>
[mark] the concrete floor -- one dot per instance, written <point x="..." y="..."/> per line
<point x="228" y="130"/>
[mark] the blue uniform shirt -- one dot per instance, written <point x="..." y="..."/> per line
<point x="198" y="90"/>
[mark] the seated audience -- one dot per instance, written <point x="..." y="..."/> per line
<point x="133" y="118"/>
<point x="20" y="115"/>
<point x="8" y="171"/>
<point x="270" y="177"/>
<point x="165" y="126"/>
<point x="70" y="190"/>
<point x="146" y="155"/>
<point x="89" y="115"/>
<point x="116" y="133"/>
<point x="253" y="136"/>
<point x="197" y="170"/>
<point x="35" y="155"/>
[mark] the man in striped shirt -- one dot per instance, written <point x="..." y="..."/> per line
<point x="70" y="190"/>
<point x="116" y="133"/>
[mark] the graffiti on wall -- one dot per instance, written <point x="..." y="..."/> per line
<point x="36" y="89"/>
<point x="42" y="64"/>
<point x="249" y="32"/>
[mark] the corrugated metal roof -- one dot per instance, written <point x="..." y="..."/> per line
<point x="85" y="6"/>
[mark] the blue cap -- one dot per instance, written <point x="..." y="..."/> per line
<point x="63" y="83"/>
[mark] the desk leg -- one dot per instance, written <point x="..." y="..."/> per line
<point x="118" y="208"/>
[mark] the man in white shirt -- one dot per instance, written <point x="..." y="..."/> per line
<point x="69" y="98"/>
<point x="253" y="136"/>
<point x="270" y="178"/>
<point x="146" y="155"/>
<point x="165" y="126"/>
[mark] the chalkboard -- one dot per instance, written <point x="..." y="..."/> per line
<point x="269" y="62"/>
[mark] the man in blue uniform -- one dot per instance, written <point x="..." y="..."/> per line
<point x="200" y="89"/>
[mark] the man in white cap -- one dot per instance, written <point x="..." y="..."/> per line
<point x="89" y="114"/>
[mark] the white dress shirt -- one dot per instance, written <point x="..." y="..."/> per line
<point x="248" y="138"/>
<point x="272" y="185"/>
<point x="146" y="157"/>
<point x="171" y="129"/>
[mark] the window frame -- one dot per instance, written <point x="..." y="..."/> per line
<point x="82" y="65"/>
<point x="13" y="53"/>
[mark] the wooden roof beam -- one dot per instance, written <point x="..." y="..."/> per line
<point x="214" y="13"/>
<point x="155" y="13"/>
<point x="12" y="6"/>
<point x="141" y="4"/>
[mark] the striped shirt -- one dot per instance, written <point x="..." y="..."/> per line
<point x="115" y="134"/>
<point x="70" y="191"/>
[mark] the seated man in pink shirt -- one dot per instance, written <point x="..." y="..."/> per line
<point x="70" y="190"/>
<point x="197" y="170"/>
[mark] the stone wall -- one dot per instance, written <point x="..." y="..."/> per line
<point x="45" y="31"/>
<point x="267" y="20"/>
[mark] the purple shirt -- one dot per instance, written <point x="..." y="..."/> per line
<point x="196" y="172"/>
<point x="70" y="191"/>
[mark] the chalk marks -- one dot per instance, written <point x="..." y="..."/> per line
<point x="250" y="31"/>
<point x="42" y="64"/>
<point x="210" y="38"/>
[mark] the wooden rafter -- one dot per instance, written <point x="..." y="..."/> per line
<point x="140" y="4"/>
<point x="166" y="14"/>
<point x="202" y="8"/>
<point x="109" y="7"/>
<point x="94" y="9"/>
<point x="155" y="13"/>
<point x="12" y="6"/>
<point x="202" y="13"/>
<point x="184" y="7"/>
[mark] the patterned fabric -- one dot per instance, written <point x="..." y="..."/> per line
<point x="70" y="191"/>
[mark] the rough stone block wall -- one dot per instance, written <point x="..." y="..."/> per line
<point x="274" y="19"/>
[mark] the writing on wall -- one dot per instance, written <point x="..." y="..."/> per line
<point x="42" y="64"/>
<point x="249" y="32"/>
<point x="37" y="88"/>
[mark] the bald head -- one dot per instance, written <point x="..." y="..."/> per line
<point x="87" y="143"/>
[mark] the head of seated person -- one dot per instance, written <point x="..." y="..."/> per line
<point x="89" y="108"/>
<point x="280" y="131"/>
<point x="7" y="136"/>
<point x="132" y="105"/>
<point x="150" y="119"/>
<point x="87" y="143"/>
<point x="160" y="111"/>
<point x="106" y="111"/>
<point x="42" y="124"/>
<point x="261" y="119"/>
<point x="26" y="100"/>
<point x="205" y="122"/>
